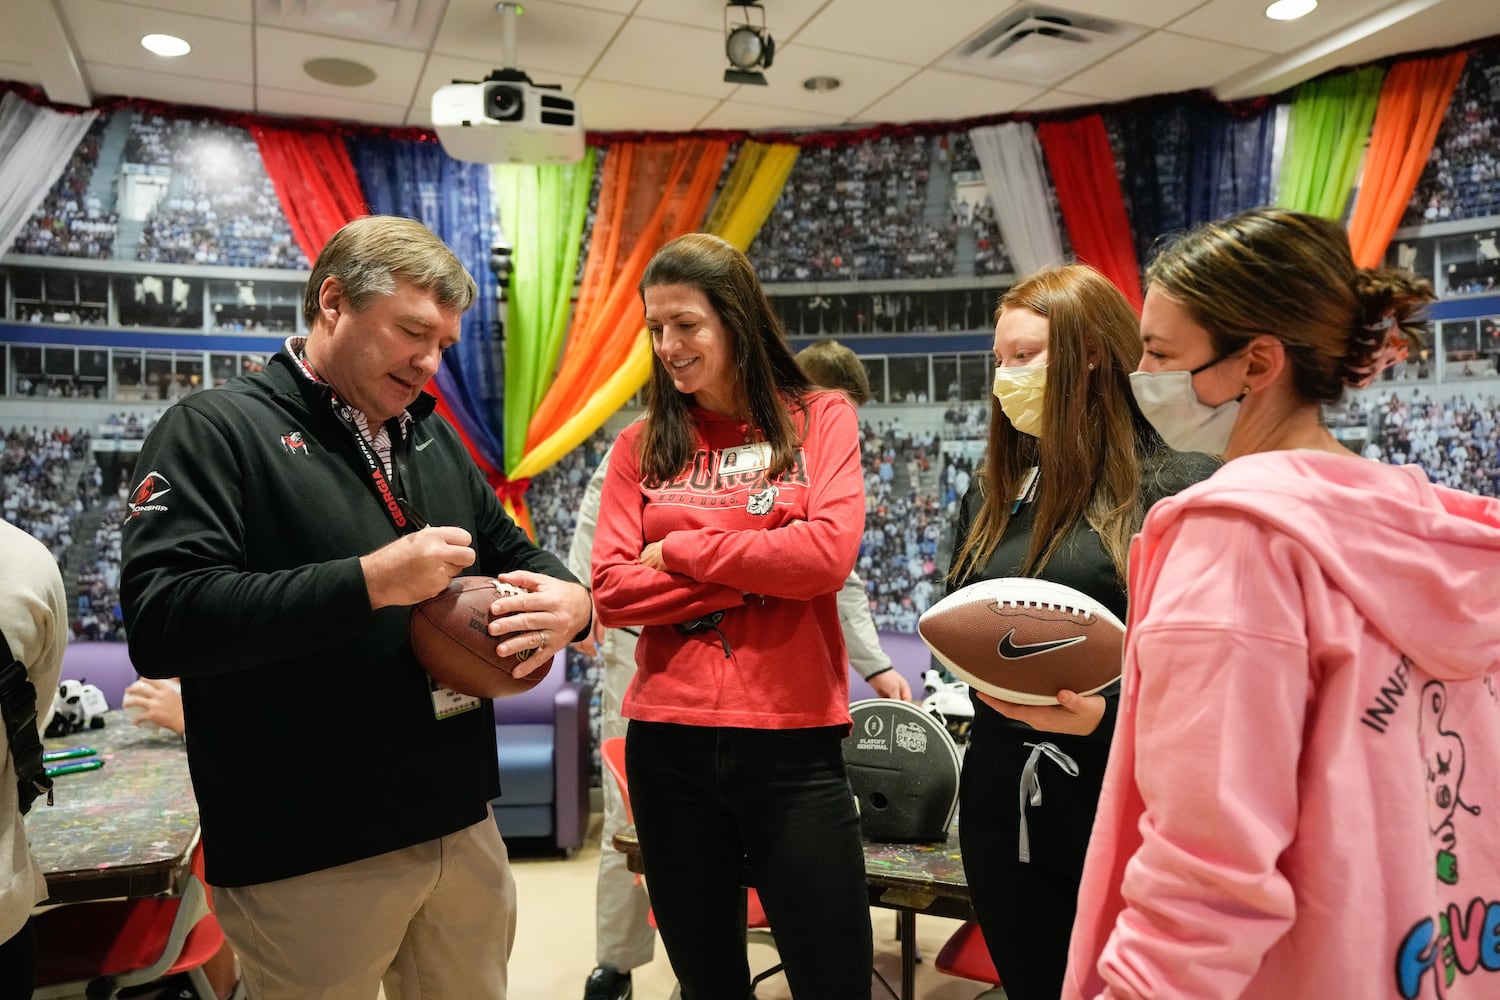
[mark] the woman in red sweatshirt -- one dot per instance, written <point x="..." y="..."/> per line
<point x="731" y="516"/>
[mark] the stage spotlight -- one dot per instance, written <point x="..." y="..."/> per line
<point x="747" y="44"/>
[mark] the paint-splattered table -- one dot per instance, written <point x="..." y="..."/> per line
<point x="124" y="830"/>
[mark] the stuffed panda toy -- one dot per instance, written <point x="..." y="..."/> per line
<point x="78" y="706"/>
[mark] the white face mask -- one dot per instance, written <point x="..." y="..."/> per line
<point x="1021" y="391"/>
<point x="1168" y="401"/>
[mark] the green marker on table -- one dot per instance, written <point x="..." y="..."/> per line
<point x="82" y="765"/>
<point x="70" y="753"/>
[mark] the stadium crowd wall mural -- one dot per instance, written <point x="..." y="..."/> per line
<point x="897" y="239"/>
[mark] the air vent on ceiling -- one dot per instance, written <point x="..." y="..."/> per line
<point x="1040" y="45"/>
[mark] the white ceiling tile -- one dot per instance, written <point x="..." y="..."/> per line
<point x="905" y="32"/>
<point x="287" y="102"/>
<point x="12" y="45"/>
<point x="666" y="56"/>
<point x="114" y="81"/>
<point x="19" y="73"/>
<point x="783" y="17"/>
<point x="550" y="36"/>
<point x="110" y="34"/>
<point x="228" y="10"/>
<point x="1151" y="13"/>
<point x="935" y="94"/>
<point x="1056" y="100"/>
<point x="863" y="81"/>
<point x="892" y="56"/>
<point x="737" y="114"/>
<point x="1239" y="23"/>
<point x="618" y="107"/>
<point x="280" y="55"/>
<point x="611" y="6"/>
<point x="1162" y="63"/>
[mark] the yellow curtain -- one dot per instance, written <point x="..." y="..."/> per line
<point x="754" y="184"/>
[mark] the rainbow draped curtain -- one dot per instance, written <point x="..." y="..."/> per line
<point x="1412" y="103"/>
<point x="607" y="359"/>
<point x="542" y="211"/>
<point x="1330" y="122"/>
<point x="319" y="192"/>
<point x="598" y="370"/>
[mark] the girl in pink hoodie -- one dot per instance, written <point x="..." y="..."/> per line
<point x="1302" y="794"/>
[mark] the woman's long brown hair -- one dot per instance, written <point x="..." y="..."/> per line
<point x="769" y="375"/>
<point x="1093" y="435"/>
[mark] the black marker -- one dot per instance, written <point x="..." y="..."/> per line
<point x="416" y="520"/>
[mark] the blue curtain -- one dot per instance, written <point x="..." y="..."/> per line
<point x="453" y="199"/>
<point x="1185" y="164"/>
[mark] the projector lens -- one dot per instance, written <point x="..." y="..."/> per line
<point x="504" y="103"/>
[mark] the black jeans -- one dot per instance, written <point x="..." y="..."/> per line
<point x="18" y="962"/>
<point x="1026" y="909"/>
<point x="713" y="805"/>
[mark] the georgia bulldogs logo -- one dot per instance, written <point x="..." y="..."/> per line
<point x="145" y="495"/>
<point x="294" y="443"/>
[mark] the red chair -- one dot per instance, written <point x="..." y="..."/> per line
<point x="94" y="950"/>
<point x="967" y="956"/>
<point x="757" y="927"/>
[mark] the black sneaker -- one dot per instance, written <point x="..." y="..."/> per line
<point x="607" y="984"/>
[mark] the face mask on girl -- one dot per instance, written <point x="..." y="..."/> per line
<point x="1168" y="402"/>
<point x="1021" y="391"/>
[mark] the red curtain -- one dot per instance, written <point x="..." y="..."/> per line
<point x="314" y="180"/>
<point x="1088" y="191"/>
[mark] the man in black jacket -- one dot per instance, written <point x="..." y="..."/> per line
<point x="272" y="553"/>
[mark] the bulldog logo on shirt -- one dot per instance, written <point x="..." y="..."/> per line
<point x="294" y="443"/>
<point x="761" y="502"/>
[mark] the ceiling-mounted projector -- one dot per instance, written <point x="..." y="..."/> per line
<point x="505" y="118"/>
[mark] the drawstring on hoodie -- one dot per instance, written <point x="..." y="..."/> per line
<point x="1031" y="787"/>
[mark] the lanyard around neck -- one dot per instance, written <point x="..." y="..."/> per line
<point x="387" y="489"/>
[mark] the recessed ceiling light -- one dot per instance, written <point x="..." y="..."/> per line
<point x="1290" y="10"/>
<point x="822" y="84"/>
<point x="166" y="45"/>
<point x="339" y="72"/>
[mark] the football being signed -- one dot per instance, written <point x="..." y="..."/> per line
<point x="1023" y="640"/>
<point x="450" y="635"/>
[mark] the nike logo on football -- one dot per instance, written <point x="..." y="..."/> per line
<point x="423" y="444"/>
<point x="1010" y="651"/>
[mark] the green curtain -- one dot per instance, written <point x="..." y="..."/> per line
<point x="541" y="210"/>
<point x="1330" y="125"/>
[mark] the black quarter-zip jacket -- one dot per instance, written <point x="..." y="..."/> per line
<point x="311" y="733"/>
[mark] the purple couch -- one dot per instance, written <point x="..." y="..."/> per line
<point x="541" y="738"/>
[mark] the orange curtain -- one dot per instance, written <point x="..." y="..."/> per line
<point x="1412" y="103"/>
<point x="651" y="192"/>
